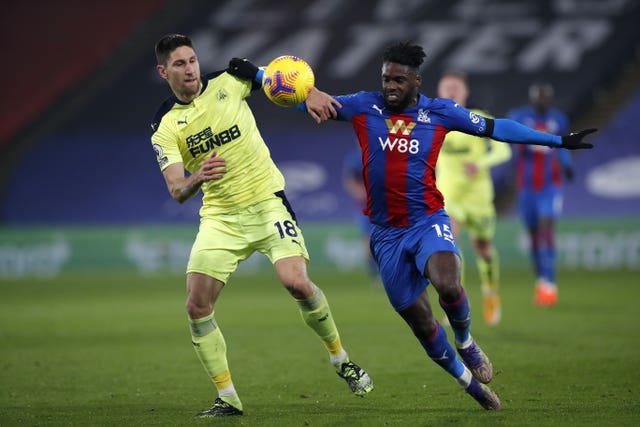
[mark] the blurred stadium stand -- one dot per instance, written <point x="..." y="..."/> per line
<point x="74" y="139"/>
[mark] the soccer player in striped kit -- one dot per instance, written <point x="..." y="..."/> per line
<point x="400" y="133"/>
<point x="540" y="173"/>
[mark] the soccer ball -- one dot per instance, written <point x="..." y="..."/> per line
<point x="287" y="80"/>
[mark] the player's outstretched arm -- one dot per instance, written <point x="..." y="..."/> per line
<point x="321" y="106"/>
<point x="513" y="132"/>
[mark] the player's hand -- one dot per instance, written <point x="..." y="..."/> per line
<point x="573" y="141"/>
<point x="213" y="168"/>
<point x="321" y="106"/>
<point x="242" y="68"/>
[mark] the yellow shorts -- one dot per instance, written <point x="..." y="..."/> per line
<point x="268" y="227"/>
<point x="478" y="219"/>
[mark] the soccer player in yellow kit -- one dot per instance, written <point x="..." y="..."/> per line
<point x="207" y="128"/>
<point x="464" y="179"/>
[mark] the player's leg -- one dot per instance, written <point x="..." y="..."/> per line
<point x="489" y="271"/>
<point x="438" y="260"/>
<point x="433" y="338"/>
<point x="213" y="258"/>
<point x="456" y="229"/>
<point x="442" y="269"/>
<point x="316" y="313"/>
<point x="209" y="344"/>
<point x="284" y="245"/>
<point x="527" y="204"/>
<point x="313" y="304"/>
<point x="398" y="253"/>
<point x="546" y="289"/>
<point x="482" y="230"/>
<point x="549" y="208"/>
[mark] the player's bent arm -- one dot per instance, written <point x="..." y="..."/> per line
<point x="181" y="187"/>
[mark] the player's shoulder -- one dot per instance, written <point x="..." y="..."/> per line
<point x="164" y="108"/>
<point x="213" y="74"/>
<point x="227" y="78"/>
<point x="480" y="111"/>
<point x="362" y="97"/>
<point x="439" y="104"/>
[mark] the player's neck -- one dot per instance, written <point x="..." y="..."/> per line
<point x="186" y="97"/>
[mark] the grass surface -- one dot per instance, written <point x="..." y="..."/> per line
<point x="116" y="351"/>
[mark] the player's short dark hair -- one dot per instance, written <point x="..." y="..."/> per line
<point x="168" y="43"/>
<point x="457" y="74"/>
<point x="404" y="53"/>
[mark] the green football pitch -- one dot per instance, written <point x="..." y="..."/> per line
<point x="115" y="350"/>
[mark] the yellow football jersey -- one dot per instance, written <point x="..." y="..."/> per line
<point x="457" y="150"/>
<point x="218" y="119"/>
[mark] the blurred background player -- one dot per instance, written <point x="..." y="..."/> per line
<point x="464" y="179"/>
<point x="540" y="173"/>
<point x="207" y="128"/>
<point x="354" y="185"/>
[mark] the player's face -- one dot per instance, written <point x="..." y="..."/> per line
<point x="400" y="86"/>
<point x="541" y="96"/>
<point x="455" y="88"/>
<point x="182" y="72"/>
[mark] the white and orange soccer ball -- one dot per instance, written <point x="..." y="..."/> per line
<point x="287" y="80"/>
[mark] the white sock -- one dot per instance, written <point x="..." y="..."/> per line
<point x="339" y="359"/>
<point x="465" y="379"/>
<point x="228" y="391"/>
<point x="465" y="344"/>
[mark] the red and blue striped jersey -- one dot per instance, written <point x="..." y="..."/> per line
<point x="539" y="167"/>
<point x="400" y="151"/>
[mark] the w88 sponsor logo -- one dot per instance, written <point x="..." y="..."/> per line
<point x="402" y="145"/>
<point x="402" y="142"/>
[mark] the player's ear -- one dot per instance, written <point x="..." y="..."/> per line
<point x="162" y="71"/>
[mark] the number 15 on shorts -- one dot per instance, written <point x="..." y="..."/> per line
<point x="444" y="231"/>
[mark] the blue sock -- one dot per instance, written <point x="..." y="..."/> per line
<point x="549" y="270"/>
<point x="538" y="262"/>
<point x="537" y="253"/>
<point x="459" y="316"/>
<point x="441" y="352"/>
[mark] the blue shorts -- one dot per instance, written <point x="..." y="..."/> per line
<point x="542" y="204"/>
<point x="402" y="254"/>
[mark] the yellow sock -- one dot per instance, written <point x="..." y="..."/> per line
<point x="489" y="272"/>
<point x="211" y="349"/>
<point x="316" y="313"/>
